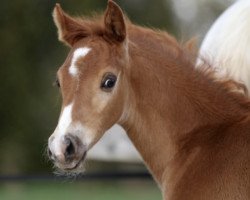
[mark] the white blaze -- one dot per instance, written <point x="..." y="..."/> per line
<point x="78" y="53"/>
<point x="61" y="129"/>
<point x="65" y="119"/>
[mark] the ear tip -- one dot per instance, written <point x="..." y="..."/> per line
<point x="57" y="5"/>
<point x="57" y="8"/>
<point x="57" y="14"/>
<point x="112" y="3"/>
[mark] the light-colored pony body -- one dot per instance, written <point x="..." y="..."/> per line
<point x="227" y="43"/>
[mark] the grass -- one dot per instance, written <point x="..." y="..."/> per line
<point x="89" y="190"/>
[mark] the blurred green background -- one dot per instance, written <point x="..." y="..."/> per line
<point x="29" y="104"/>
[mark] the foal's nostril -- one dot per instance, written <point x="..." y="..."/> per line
<point x="50" y="155"/>
<point x="70" y="149"/>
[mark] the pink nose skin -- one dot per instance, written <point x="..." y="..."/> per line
<point x="72" y="153"/>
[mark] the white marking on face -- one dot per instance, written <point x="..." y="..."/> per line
<point x="78" y="53"/>
<point x="65" y="119"/>
<point x="61" y="129"/>
<point x="66" y="126"/>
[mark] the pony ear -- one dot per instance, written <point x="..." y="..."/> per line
<point x="115" y="28"/>
<point x="70" y="30"/>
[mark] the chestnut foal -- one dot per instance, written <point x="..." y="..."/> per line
<point x="192" y="131"/>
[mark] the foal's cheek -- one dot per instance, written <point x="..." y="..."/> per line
<point x="100" y="101"/>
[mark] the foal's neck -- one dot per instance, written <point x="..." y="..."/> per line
<point x="171" y="99"/>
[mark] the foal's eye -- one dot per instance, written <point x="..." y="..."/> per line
<point x="108" y="82"/>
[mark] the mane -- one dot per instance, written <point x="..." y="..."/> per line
<point x="238" y="92"/>
<point x="93" y="25"/>
<point x="228" y="83"/>
<point x="205" y="134"/>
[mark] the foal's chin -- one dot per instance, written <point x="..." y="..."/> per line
<point x="70" y="169"/>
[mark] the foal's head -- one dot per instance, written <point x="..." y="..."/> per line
<point x="92" y="81"/>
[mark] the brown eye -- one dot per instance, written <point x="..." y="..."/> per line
<point x="108" y="82"/>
